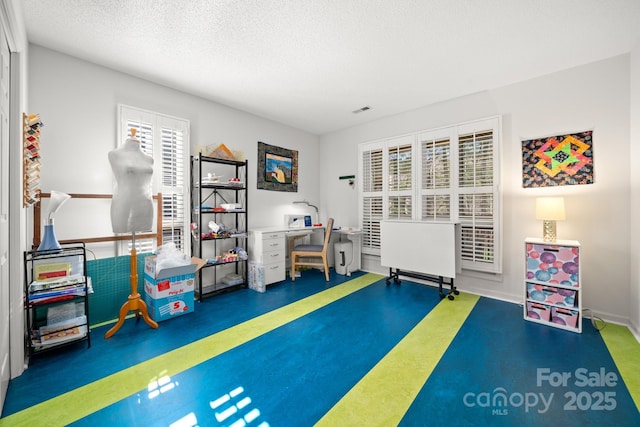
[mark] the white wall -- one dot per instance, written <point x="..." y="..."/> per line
<point x="594" y="96"/>
<point x="77" y="103"/>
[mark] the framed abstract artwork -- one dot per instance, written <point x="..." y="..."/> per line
<point x="277" y="168"/>
<point x="558" y="160"/>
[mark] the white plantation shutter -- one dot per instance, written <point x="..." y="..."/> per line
<point x="452" y="172"/>
<point x="400" y="172"/>
<point x="478" y="196"/>
<point x="174" y="217"/>
<point x="371" y="209"/>
<point x="400" y="185"/>
<point x="371" y="217"/>
<point x="477" y="228"/>
<point x="144" y="132"/>
<point x="166" y="139"/>
<point x="435" y="188"/>
<point x="372" y="171"/>
<point x="475" y="159"/>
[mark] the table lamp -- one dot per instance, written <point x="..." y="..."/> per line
<point x="49" y="241"/>
<point x="549" y="210"/>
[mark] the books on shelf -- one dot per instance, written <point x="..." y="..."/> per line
<point x="64" y="292"/>
<point x="60" y="282"/>
<point x="60" y="332"/>
<point x="52" y="271"/>
<point x="68" y="288"/>
<point x="56" y="305"/>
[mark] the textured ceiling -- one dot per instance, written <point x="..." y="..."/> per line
<point x="310" y="63"/>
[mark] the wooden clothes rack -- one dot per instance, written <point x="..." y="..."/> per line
<point x="37" y="222"/>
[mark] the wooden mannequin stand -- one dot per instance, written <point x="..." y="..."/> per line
<point x="133" y="303"/>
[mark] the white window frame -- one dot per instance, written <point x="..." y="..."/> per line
<point x="472" y="224"/>
<point x="150" y="127"/>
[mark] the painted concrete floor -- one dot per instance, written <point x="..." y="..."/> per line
<point x="353" y="351"/>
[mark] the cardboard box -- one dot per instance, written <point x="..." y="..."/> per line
<point x="170" y="281"/>
<point x="167" y="308"/>
<point x="170" y="292"/>
<point x="150" y="268"/>
<point x="169" y="286"/>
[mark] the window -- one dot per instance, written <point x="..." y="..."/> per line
<point x="435" y="189"/>
<point x="166" y="139"/>
<point x="371" y="196"/>
<point x="447" y="174"/>
<point x="476" y="196"/>
<point x="400" y="172"/>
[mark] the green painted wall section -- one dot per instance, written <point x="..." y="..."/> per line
<point x="111" y="286"/>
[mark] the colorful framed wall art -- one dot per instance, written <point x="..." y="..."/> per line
<point x="277" y="168"/>
<point x="558" y="160"/>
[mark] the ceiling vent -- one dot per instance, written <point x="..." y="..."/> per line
<point x="360" y="110"/>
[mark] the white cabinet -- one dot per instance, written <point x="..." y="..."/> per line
<point x="553" y="284"/>
<point x="269" y="249"/>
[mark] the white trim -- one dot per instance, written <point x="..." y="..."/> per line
<point x="11" y="16"/>
<point x="13" y="26"/>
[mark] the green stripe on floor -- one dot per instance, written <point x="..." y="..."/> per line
<point x="625" y="350"/>
<point x="65" y="409"/>
<point x="387" y="391"/>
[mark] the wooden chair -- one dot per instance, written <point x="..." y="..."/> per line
<point x="318" y="253"/>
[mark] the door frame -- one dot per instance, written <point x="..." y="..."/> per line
<point x="13" y="25"/>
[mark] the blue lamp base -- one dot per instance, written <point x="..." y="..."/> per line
<point x="49" y="241"/>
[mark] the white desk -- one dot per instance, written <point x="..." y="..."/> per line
<point x="271" y="247"/>
<point x="268" y="246"/>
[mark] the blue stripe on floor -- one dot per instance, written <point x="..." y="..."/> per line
<point x="292" y="375"/>
<point x="59" y="372"/>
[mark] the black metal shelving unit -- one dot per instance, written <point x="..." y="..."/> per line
<point x="56" y="298"/>
<point x="206" y="200"/>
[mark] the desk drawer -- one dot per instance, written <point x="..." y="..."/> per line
<point x="272" y="257"/>
<point x="275" y="244"/>
<point x="267" y="248"/>
<point x="274" y="235"/>
<point x="274" y="273"/>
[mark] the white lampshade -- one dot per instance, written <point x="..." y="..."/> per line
<point x="550" y="208"/>
<point x="49" y="241"/>
<point x="57" y="200"/>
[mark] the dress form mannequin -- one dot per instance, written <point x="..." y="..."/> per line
<point x="131" y="211"/>
<point x="132" y="205"/>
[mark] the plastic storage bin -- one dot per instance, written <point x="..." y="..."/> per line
<point x="343" y="257"/>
